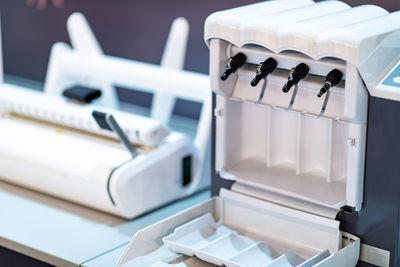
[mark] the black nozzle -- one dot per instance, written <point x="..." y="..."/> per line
<point x="226" y="74"/>
<point x="263" y="69"/>
<point x="332" y="79"/>
<point x="295" y="75"/>
<point x="233" y="64"/>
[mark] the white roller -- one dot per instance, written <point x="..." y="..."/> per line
<point x="53" y="109"/>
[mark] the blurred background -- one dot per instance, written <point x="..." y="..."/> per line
<point x="125" y="28"/>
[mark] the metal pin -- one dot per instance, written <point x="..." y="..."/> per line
<point x="262" y="92"/>
<point x="332" y="79"/>
<point x="293" y="97"/>
<point x="325" y="104"/>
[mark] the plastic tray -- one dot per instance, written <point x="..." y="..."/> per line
<point x="217" y="244"/>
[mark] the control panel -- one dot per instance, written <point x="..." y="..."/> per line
<point x="393" y="78"/>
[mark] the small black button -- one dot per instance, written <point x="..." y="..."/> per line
<point x="82" y="94"/>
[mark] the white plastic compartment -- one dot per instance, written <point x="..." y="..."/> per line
<point x="215" y="243"/>
<point x="290" y="153"/>
<point x="235" y="230"/>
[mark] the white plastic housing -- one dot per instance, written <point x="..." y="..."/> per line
<point x="292" y="151"/>
<point x="92" y="170"/>
<point x="298" y="146"/>
<point x="54" y="146"/>
<point x="366" y="37"/>
<point x="238" y="230"/>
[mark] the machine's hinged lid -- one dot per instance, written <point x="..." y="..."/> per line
<point x="367" y="37"/>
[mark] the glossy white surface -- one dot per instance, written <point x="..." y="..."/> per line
<point x="55" y="158"/>
<point x="268" y="30"/>
<point x="215" y="243"/>
<point x="227" y="24"/>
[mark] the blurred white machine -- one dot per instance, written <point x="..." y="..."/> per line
<point x="114" y="161"/>
<point x="292" y="80"/>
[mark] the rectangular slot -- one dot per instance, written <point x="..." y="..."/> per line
<point x="224" y="248"/>
<point x="314" y="146"/>
<point x="258" y="254"/>
<point x="254" y="133"/>
<point x="288" y="260"/>
<point x="317" y="258"/>
<point x="241" y="132"/>
<point x="339" y="151"/>
<point x="196" y="234"/>
<point x="186" y="170"/>
<point x="282" y="143"/>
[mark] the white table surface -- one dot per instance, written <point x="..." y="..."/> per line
<point x="65" y="234"/>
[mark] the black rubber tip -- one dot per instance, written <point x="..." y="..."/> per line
<point x="286" y="88"/>
<point x="255" y="81"/>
